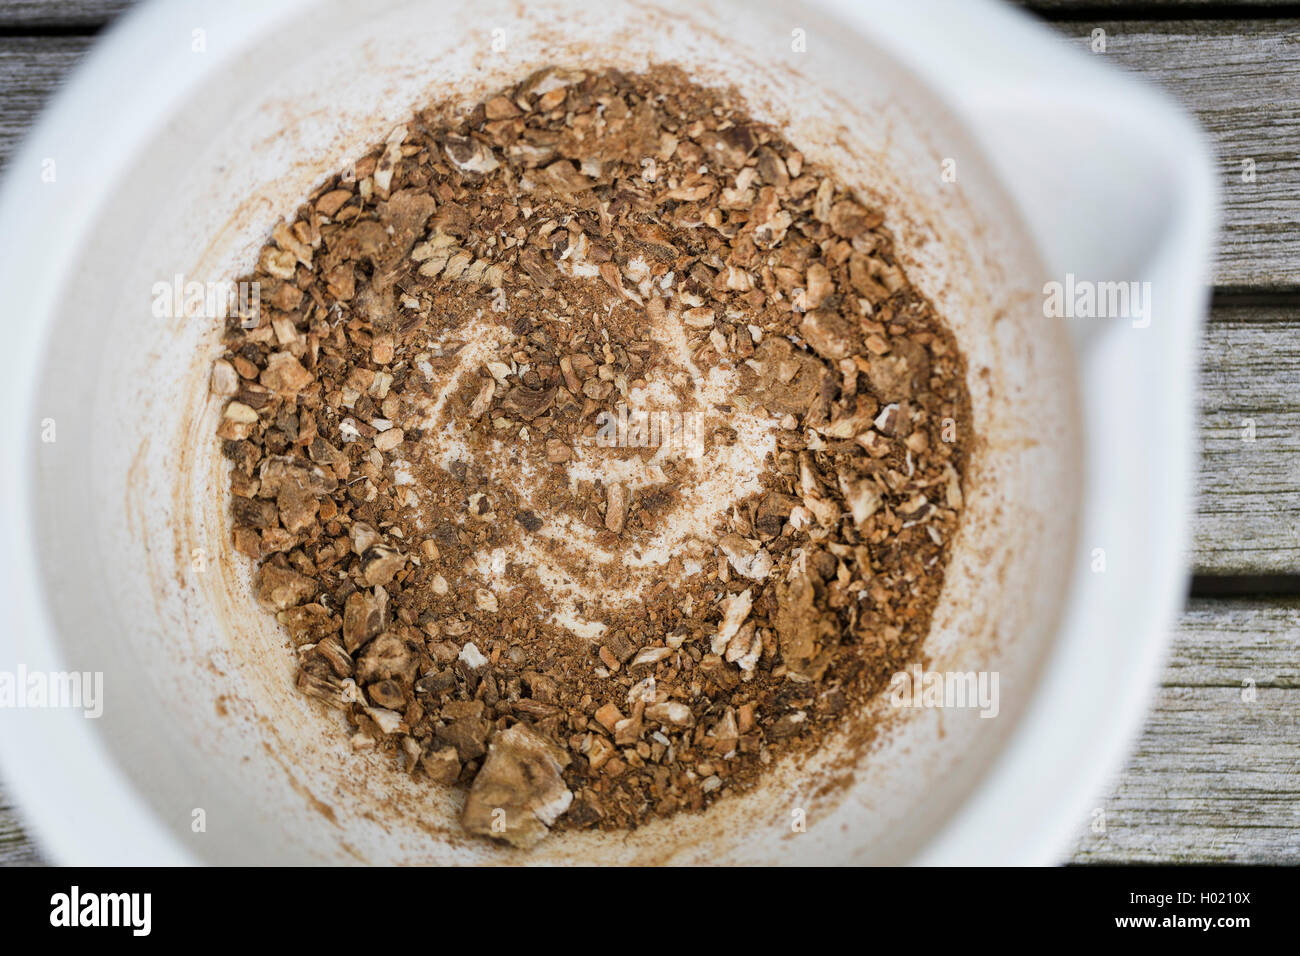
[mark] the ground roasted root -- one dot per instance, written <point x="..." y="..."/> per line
<point x="594" y="450"/>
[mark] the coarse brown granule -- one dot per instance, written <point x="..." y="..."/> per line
<point x="594" y="448"/>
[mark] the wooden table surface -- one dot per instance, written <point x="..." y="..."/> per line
<point x="1215" y="776"/>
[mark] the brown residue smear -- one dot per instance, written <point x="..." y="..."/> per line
<point x="595" y="450"/>
<point x="320" y="806"/>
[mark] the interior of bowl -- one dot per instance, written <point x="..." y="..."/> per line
<point x="201" y="711"/>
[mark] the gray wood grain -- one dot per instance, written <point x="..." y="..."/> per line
<point x="36" y="15"/>
<point x="31" y="69"/>
<point x="1242" y="81"/>
<point x="1216" y="774"/>
<point x="16" y="847"/>
<point x="1247" y="514"/>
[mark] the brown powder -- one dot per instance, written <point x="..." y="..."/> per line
<point x="594" y="449"/>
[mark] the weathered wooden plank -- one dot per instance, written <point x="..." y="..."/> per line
<point x="31" y="68"/>
<point x="16" y="848"/>
<point x="1247" y="514"/>
<point x="1215" y="776"/>
<point x="35" y="15"/>
<point x="1242" y="81"/>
